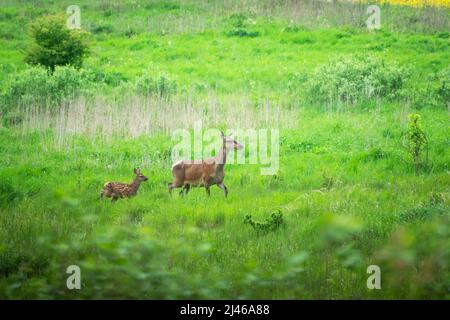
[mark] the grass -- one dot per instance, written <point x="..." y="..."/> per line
<point x="54" y="200"/>
<point x="348" y="194"/>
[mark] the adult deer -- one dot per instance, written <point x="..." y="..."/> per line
<point x="204" y="173"/>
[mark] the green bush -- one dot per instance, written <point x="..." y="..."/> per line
<point x="119" y="262"/>
<point x="271" y="223"/>
<point x="432" y="90"/>
<point x="241" y="26"/>
<point x="161" y="85"/>
<point x="355" y="79"/>
<point x="36" y="86"/>
<point x="416" y="140"/>
<point x="56" y="45"/>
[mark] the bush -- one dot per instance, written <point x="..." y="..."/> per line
<point x="56" y="45"/>
<point x="36" y="86"/>
<point x="431" y="90"/>
<point x="241" y="26"/>
<point x="271" y="223"/>
<point x="416" y="140"/>
<point x="120" y="262"/>
<point x="160" y="84"/>
<point x="351" y="80"/>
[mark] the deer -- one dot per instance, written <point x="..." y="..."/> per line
<point x="204" y="173"/>
<point x="116" y="190"/>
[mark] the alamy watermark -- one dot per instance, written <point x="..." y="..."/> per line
<point x="257" y="146"/>
<point x="374" y="280"/>
<point x="74" y="280"/>
<point x="74" y="20"/>
<point x="374" y="20"/>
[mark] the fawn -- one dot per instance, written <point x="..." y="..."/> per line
<point x="205" y="173"/>
<point x="116" y="190"/>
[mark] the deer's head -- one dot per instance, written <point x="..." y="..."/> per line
<point x="139" y="175"/>
<point x="230" y="143"/>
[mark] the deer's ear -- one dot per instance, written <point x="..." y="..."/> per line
<point x="136" y="170"/>
<point x="222" y="135"/>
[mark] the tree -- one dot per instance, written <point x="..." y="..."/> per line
<point x="56" y="45"/>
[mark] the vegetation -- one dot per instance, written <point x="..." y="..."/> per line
<point x="363" y="176"/>
<point x="55" y="44"/>
<point x="417" y="139"/>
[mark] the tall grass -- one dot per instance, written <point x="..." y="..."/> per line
<point x="133" y="116"/>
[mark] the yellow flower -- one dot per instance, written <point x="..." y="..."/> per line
<point x="415" y="3"/>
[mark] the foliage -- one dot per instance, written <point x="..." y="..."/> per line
<point x="56" y="45"/>
<point x="272" y="223"/>
<point x="36" y="86"/>
<point x="161" y="84"/>
<point x="241" y="26"/>
<point x="416" y="3"/>
<point x="416" y="139"/>
<point x="352" y="80"/>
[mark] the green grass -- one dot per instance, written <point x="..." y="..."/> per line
<point x="349" y="195"/>
<point x="54" y="201"/>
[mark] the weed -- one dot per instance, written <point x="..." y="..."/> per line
<point x="271" y="223"/>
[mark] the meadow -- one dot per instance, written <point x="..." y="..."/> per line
<point x="348" y="191"/>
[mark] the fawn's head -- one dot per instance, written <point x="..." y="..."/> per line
<point x="230" y="143"/>
<point x="139" y="175"/>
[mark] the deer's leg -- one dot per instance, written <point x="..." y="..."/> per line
<point x="185" y="190"/>
<point x="224" y="188"/>
<point x="173" y="185"/>
<point x="208" y="192"/>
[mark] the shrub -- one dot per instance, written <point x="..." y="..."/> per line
<point x="131" y="263"/>
<point x="36" y="86"/>
<point x="350" y="80"/>
<point x="416" y="139"/>
<point x="56" y="45"/>
<point x="160" y="84"/>
<point x="241" y="26"/>
<point x="431" y="91"/>
<point x="270" y="224"/>
<point x="29" y="86"/>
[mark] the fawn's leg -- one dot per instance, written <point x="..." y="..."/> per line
<point x="208" y="192"/>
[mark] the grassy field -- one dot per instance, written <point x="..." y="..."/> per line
<point x="348" y="191"/>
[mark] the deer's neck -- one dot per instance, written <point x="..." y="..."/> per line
<point x="221" y="158"/>
<point x="135" y="185"/>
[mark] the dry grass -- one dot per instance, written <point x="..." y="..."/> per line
<point x="147" y="116"/>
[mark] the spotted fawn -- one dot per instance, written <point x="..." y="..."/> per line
<point x="116" y="190"/>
